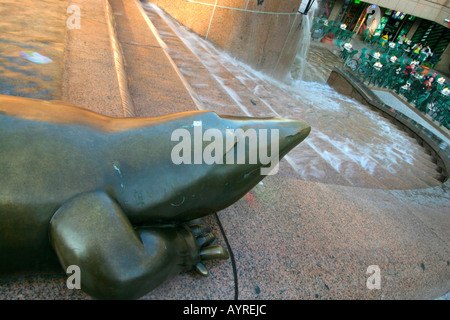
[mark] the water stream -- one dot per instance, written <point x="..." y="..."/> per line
<point x="305" y="41"/>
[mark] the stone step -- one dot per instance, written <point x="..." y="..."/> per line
<point x="416" y="164"/>
<point x="425" y="155"/>
<point x="391" y="180"/>
<point x="208" y="90"/>
<point x="154" y="83"/>
<point x="415" y="160"/>
<point x="89" y="63"/>
<point x="310" y="165"/>
<point x="195" y="50"/>
<point x="358" y="170"/>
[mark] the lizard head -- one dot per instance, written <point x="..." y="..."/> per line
<point x="229" y="155"/>
<point x="214" y="161"/>
<point x="257" y="145"/>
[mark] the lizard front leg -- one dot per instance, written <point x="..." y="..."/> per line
<point x="116" y="260"/>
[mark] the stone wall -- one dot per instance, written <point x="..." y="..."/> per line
<point x="262" y="33"/>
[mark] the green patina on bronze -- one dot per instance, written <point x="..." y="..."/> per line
<point x="79" y="188"/>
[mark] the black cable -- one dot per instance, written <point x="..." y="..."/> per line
<point x="233" y="262"/>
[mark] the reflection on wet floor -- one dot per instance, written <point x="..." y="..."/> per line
<point x="32" y="26"/>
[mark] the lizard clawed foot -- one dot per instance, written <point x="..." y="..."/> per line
<point x="208" y="250"/>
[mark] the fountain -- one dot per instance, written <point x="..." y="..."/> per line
<point x="305" y="40"/>
<point x="311" y="231"/>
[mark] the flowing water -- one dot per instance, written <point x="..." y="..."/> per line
<point x="32" y="26"/>
<point x="305" y="41"/>
<point x="349" y="144"/>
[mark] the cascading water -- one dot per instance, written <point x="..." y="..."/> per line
<point x="305" y="41"/>
<point x="340" y="149"/>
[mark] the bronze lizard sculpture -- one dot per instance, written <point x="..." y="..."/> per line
<point x="104" y="194"/>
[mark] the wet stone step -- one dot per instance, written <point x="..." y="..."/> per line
<point x="312" y="167"/>
<point x="422" y="162"/>
<point x="147" y="61"/>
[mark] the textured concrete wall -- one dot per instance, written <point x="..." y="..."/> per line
<point x="262" y="33"/>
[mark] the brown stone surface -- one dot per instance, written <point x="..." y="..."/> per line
<point x="145" y="59"/>
<point x="89" y="78"/>
<point x="313" y="241"/>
